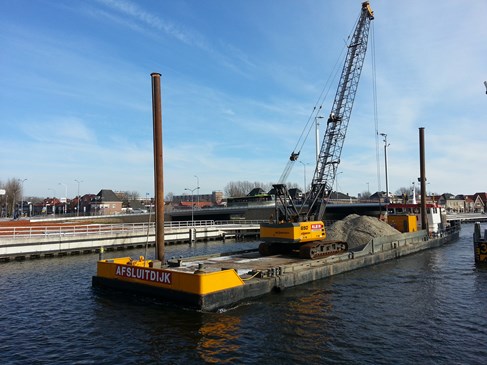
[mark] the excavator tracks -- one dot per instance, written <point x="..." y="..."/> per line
<point x="319" y="249"/>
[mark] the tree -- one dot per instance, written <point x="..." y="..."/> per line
<point x="403" y="190"/>
<point x="365" y="194"/>
<point x="169" y="197"/>
<point x="13" y="194"/>
<point x="242" y="188"/>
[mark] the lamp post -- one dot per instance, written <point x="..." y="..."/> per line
<point x="77" y="210"/>
<point x="192" y="234"/>
<point x="304" y="167"/>
<point x="22" y="198"/>
<point x="368" y="190"/>
<point x="336" y="184"/>
<point x="192" y="204"/>
<point x="65" y="197"/>
<point x="385" y="164"/>
<point x="198" y="185"/>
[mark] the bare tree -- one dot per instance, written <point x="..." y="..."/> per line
<point x="13" y="194"/>
<point x="133" y="195"/>
<point x="365" y="194"/>
<point x="242" y="188"/>
<point x="403" y="190"/>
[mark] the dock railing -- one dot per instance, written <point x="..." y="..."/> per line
<point x="111" y="229"/>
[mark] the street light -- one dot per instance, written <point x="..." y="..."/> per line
<point x="22" y="197"/>
<point x="385" y="163"/>
<point x="78" y="181"/>
<point x="65" y="197"/>
<point x="368" y="190"/>
<point x="192" y="204"/>
<point x="336" y="184"/>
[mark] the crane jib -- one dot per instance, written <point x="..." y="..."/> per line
<point x="337" y="124"/>
<point x="314" y="204"/>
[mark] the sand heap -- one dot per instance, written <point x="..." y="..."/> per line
<point x="358" y="230"/>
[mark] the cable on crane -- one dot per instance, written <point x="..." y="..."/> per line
<point x="316" y="111"/>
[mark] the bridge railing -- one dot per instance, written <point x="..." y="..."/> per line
<point x="74" y="230"/>
<point x="109" y="229"/>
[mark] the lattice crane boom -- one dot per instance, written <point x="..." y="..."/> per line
<point x="336" y="127"/>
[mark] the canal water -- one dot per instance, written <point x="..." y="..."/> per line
<point x="428" y="308"/>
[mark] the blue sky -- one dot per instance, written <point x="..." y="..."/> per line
<point x="239" y="81"/>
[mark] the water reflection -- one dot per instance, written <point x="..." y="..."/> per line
<point x="219" y="338"/>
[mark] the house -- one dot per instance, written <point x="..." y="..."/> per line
<point x="106" y="202"/>
<point x="480" y="202"/>
<point x="452" y="203"/>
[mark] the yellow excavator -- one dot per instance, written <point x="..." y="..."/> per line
<point x="303" y="229"/>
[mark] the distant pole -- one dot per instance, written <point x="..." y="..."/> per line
<point x="385" y="164"/>
<point x="22" y="198"/>
<point x="77" y="211"/>
<point x="336" y="185"/>
<point x="65" y="197"/>
<point x="158" y="164"/>
<point x="192" y="204"/>
<point x="422" y="180"/>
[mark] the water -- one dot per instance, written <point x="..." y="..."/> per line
<point x="429" y="308"/>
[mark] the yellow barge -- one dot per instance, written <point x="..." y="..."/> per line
<point x="213" y="282"/>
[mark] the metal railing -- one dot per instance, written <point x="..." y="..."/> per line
<point x="108" y="229"/>
<point x="74" y="230"/>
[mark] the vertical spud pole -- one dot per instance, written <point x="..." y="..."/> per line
<point x="422" y="180"/>
<point x="158" y="165"/>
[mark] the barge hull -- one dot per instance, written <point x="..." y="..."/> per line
<point x="275" y="273"/>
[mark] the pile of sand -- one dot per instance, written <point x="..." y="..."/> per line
<point x="358" y="230"/>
